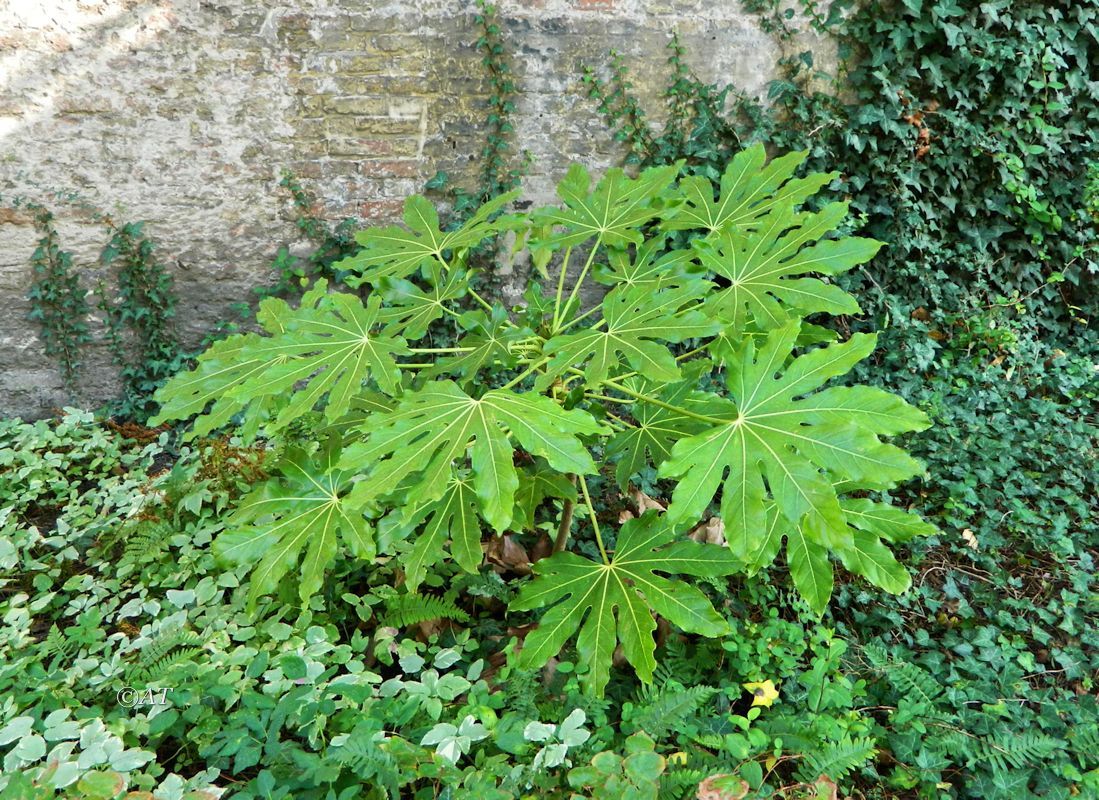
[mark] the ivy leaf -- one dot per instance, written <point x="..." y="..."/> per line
<point x="614" y="603"/>
<point x="452" y="517"/>
<point x="760" y="266"/>
<point x="323" y="351"/>
<point x="489" y="339"/>
<point x="433" y="428"/>
<point x="394" y="252"/>
<point x="748" y="191"/>
<point x="303" y="510"/>
<point x="613" y="211"/>
<point x="411" y="309"/>
<point x="635" y="316"/>
<point x="775" y="430"/>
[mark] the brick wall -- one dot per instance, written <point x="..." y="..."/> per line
<point x="184" y="112"/>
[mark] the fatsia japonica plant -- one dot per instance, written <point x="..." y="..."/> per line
<point x="696" y="366"/>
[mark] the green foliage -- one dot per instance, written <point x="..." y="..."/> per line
<point x="961" y="135"/>
<point x="765" y="437"/>
<point x="138" y="318"/>
<point x="58" y="303"/>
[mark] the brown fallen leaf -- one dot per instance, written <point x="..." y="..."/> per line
<point x="723" y="787"/>
<point x="710" y="532"/>
<point x="643" y="502"/>
<point x="507" y="555"/>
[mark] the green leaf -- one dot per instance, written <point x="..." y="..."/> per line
<point x="749" y="190"/>
<point x="535" y="485"/>
<point x="613" y="211"/>
<point x="394" y="252"/>
<point x="440" y="423"/>
<point x="453" y="518"/>
<point x="490" y="338"/>
<point x="807" y="549"/>
<point x="323" y="352"/>
<point x="657" y="428"/>
<point x="635" y="317"/>
<point x="650" y="266"/>
<point x="760" y="265"/>
<point x="411" y="309"/>
<point x="614" y="603"/>
<point x="782" y="441"/>
<point x="304" y="510"/>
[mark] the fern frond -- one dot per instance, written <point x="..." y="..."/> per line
<point x="146" y="543"/>
<point x="910" y="681"/>
<point x="57" y="644"/>
<point x="681" y="783"/>
<point x="1005" y="751"/>
<point x="168" y="650"/>
<point x="668" y="707"/>
<point x="837" y="759"/>
<point x="411" y="609"/>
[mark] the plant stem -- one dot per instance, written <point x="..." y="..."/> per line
<point x="583" y="274"/>
<point x="561" y="287"/>
<point x="566" y="522"/>
<point x="668" y="406"/>
<point x="524" y="374"/>
<point x="594" y="521"/>
<point x="582" y="317"/>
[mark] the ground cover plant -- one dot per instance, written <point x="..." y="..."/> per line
<point x="476" y="494"/>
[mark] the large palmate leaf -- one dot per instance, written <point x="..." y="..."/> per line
<point x="613" y="210"/>
<point x="749" y="190"/>
<point x="322" y="352"/>
<point x="394" y="252"/>
<point x="452" y="518"/>
<point x="635" y="317"/>
<point x="779" y="438"/>
<point x="302" y="515"/>
<point x="762" y="265"/>
<point x="416" y="445"/>
<point x="650" y="265"/>
<point x="410" y="309"/>
<point x="489" y="340"/>
<point x="614" y="603"/>
<point x="807" y="551"/>
<point x="656" y="428"/>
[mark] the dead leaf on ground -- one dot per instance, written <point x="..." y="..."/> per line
<point x="723" y="787"/>
<point x="507" y="555"/>
<point x="969" y="539"/>
<point x="643" y="502"/>
<point x="710" y="532"/>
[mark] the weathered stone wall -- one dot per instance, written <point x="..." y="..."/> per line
<point x="184" y="112"/>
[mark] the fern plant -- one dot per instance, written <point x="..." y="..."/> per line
<point x="696" y="366"/>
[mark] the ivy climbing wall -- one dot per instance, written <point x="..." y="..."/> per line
<point x="183" y="113"/>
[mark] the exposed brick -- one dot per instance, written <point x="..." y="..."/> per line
<point x="407" y="168"/>
<point x="381" y="210"/>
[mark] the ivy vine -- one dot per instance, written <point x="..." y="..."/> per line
<point x="58" y="302"/>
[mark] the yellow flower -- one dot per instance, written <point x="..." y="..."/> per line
<point x="763" y="693"/>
